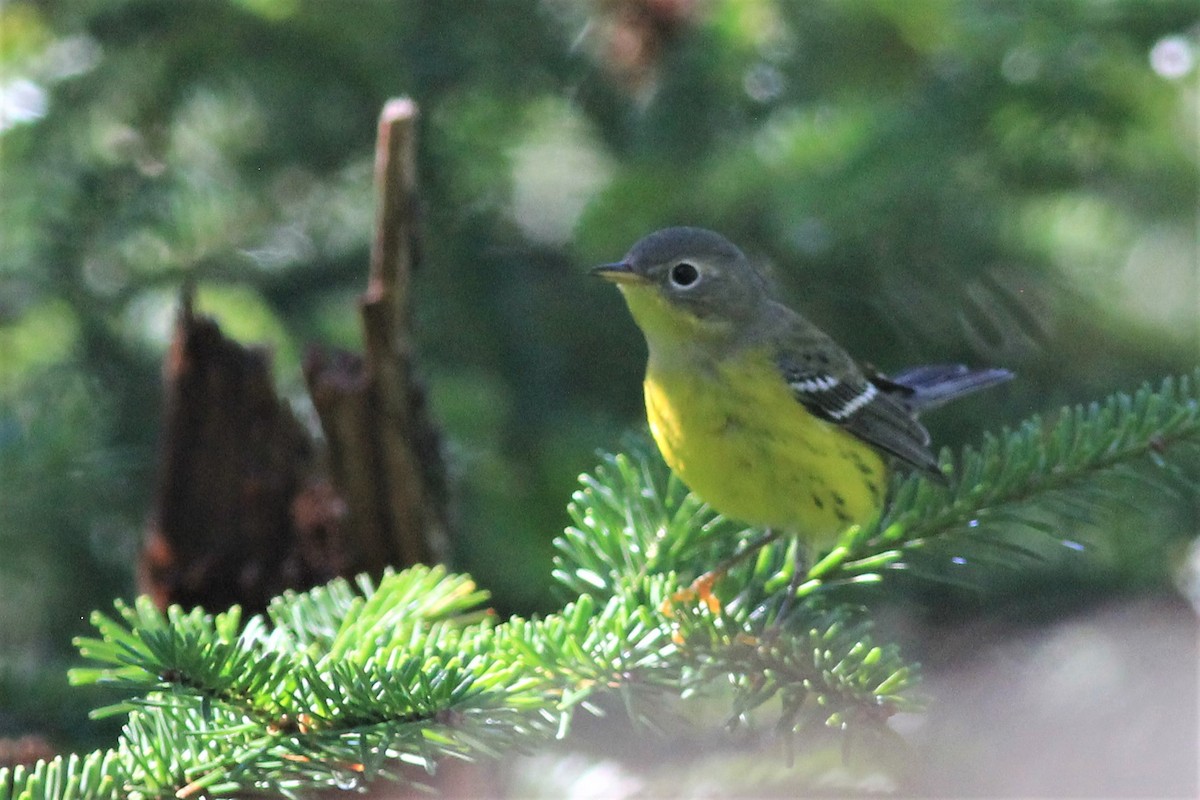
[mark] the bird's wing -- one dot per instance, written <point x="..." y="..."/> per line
<point x="827" y="382"/>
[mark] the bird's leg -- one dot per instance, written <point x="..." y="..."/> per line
<point x="701" y="588"/>
<point x="799" y="573"/>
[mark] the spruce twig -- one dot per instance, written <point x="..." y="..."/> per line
<point x="1056" y="468"/>
<point x="347" y="682"/>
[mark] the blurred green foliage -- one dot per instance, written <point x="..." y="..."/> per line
<point x="1008" y="183"/>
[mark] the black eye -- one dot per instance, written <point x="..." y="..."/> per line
<point x="684" y="274"/>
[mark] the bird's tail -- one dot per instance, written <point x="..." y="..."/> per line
<point x="928" y="387"/>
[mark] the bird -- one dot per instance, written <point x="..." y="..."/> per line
<point x="761" y="414"/>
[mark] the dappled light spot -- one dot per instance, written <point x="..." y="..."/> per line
<point x="21" y="101"/>
<point x="1172" y="57"/>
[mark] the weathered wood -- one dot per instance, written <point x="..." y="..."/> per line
<point x="248" y="505"/>
<point x="235" y="465"/>
<point x="384" y="451"/>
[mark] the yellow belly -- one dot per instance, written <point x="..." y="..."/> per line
<point x="740" y="440"/>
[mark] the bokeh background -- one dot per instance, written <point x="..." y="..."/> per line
<point x="1001" y="183"/>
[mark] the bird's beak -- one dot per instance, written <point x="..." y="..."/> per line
<point x="620" y="272"/>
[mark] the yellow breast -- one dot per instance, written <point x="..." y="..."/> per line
<point x="739" y="439"/>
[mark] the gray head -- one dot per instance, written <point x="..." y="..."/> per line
<point x="691" y="270"/>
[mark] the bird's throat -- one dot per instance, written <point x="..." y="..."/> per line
<point x="674" y="336"/>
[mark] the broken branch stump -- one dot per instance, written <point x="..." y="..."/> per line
<point x="248" y="505"/>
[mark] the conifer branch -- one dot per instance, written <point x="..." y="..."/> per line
<point x="343" y="684"/>
<point x="1061" y="468"/>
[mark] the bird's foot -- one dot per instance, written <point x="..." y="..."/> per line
<point x="700" y="589"/>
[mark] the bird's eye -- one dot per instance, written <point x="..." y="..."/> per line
<point x="684" y="274"/>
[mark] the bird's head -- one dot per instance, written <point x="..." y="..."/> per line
<point x="687" y="283"/>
